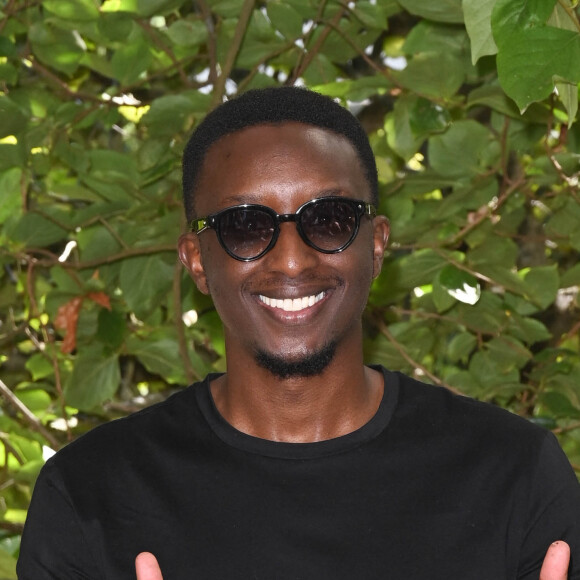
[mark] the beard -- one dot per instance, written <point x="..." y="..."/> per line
<point x="307" y="366"/>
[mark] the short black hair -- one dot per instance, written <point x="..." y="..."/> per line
<point x="271" y="106"/>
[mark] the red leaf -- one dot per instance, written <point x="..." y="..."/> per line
<point x="100" y="298"/>
<point x="67" y="318"/>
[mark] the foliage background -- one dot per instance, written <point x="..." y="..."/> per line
<point x="470" y="107"/>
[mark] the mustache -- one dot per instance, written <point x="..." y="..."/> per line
<point x="273" y="281"/>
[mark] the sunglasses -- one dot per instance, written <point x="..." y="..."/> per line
<point x="246" y="232"/>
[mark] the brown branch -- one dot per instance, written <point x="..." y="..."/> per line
<point x="309" y="55"/>
<point x="130" y="253"/>
<point x="572" y="427"/>
<point x="28" y="415"/>
<point x="484" y="213"/>
<point x="247" y="79"/>
<point x="8" y="11"/>
<point x="572" y="332"/>
<point x="211" y="41"/>
<point x="58" y="81"/>
<point x="401" y="349"/>
<point x="570" y="12"/>
<point x="241" y="28"/>
<point x="5" y="438"/>
<point x="149" y="29"/>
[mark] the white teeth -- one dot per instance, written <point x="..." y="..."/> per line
<point x="292" y="305"/>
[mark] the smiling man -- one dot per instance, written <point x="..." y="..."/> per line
<point x="300" y="461"/>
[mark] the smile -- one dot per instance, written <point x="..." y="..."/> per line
<point x="292" y="304"/>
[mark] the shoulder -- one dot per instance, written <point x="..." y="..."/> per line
<point x="434" y="411"/>
<point x="141" y="433"/>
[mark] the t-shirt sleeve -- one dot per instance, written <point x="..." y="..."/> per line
<point x="53" y="546"/>
<point x="554" y="512"/>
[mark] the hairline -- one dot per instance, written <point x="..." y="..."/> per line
<point x="192" y="193"/>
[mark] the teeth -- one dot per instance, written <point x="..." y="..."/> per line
<point x="292" y="305"/>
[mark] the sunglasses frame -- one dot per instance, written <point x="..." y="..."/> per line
<point x="212" y="221"/>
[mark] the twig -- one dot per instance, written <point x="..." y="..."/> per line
<point x="149" y="29"/>
<point x="211" y="41"/>
<point x="28" y="415"/>
<point x="570" y="12"/>
<point x="130" y="253"/>
<point x="384" y="330"/>
<point x="244" y="19"/>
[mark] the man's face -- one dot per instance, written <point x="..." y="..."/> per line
<point x="283" y="167"/>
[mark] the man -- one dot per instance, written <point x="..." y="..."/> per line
<point x="300" y="462"/>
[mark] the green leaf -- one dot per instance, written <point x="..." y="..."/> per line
<point x="459" y="284"/>
<point x="508" y="352"/>
<point x="412" y="121"/>
<point x="160" y="356"/>
<point x="285" y="18"/>
<point x="95" y="378"/>
<point x="112" y="328"/>
<point x="116" y="26"/>
<point x="510" y="17"/>
<point x="39" y="366"/>
<point x="56" y="48"/>
<point x="530" y="60"/>
<point x="461" y="346"/>
<point x="477" y="15"/>
<point x="542" y="285"/>
<point x="7" y="566"/>
<point x="418" y="268"/>
<point x="432" y="74"/>
<point x="560" y="405"/>
<point x="130" y="61"/>
<point x="144" y="281"/>
<point x="493" y="96"/>
<point x="168" y="115"/>
<point x="187" y="32"/>
<point x="35" y="399"/>
<point x="72" y="9"/>
<point x="157" y="7"/>
<point x="441" y="11"/>
<point x="129" y="6"/>
<point x="34" y="230"/>
<point x="466" y="149"/>
<point x="571" y="277"/>
<point x="568" y="93"/>
<point x="11" y="194"/>
<point x="12" y="119"/>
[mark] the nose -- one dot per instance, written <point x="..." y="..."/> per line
<point x="291" y="255"/>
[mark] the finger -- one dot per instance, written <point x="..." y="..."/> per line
<point x="147" y="567"/>
<point x="555" y="566"/>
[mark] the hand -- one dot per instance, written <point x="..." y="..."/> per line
<point x="555" y="566"/>
<point x="148" y="569"/>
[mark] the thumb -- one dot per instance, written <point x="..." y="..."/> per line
<point x="555" y="566"/>
<point x="147" y="567"/>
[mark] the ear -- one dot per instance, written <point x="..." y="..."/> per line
<point x="190" y="256"/>
<point x="381" y="237"/>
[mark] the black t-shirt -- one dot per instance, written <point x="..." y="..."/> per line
<point x="434" y="486"/>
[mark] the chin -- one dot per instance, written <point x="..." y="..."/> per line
<point x="307" y="365"/>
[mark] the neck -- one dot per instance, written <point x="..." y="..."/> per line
<point x="339" y="400"/>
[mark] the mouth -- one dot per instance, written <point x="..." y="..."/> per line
<point x="292" y="304"/>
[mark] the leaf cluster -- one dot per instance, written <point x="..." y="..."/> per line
<point x="470" y="107"/>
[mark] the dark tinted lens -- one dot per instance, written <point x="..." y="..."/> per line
<point x="329" y="224"/>
<point x="246" y="232"/>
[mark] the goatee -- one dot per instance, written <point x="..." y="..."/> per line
<point x="308" y="366"/>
